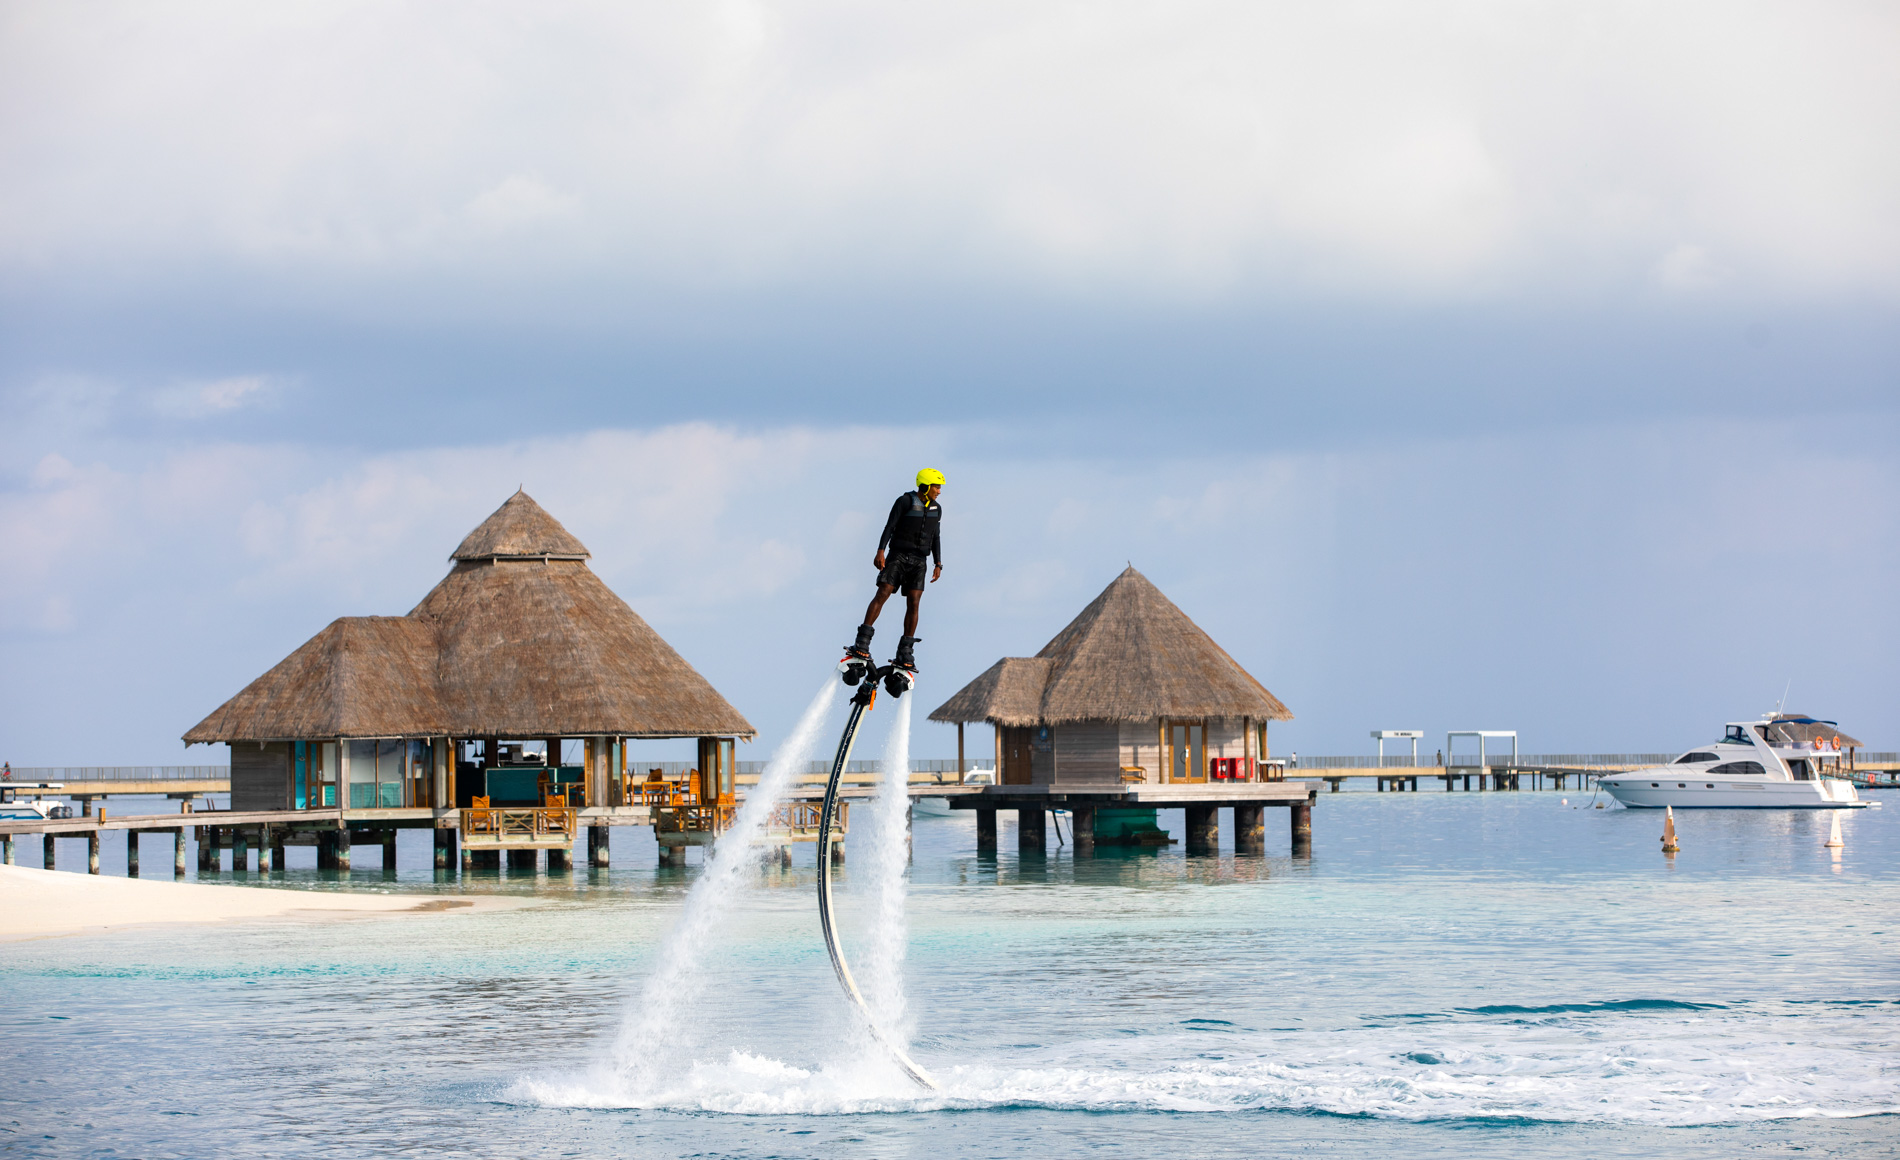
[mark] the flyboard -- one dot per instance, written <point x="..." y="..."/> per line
<point x="898" y="680"/>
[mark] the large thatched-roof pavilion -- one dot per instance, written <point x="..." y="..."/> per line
<point x="520" y="642"/>
<point x="1131" y="703"/>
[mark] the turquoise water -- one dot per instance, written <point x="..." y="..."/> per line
<point x="1448" y="975"/>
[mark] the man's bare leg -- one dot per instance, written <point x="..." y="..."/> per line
<point x="911" y="601"/>
<point x="877" y="604"/>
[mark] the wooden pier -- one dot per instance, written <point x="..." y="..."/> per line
<point x="1202" y="804"/>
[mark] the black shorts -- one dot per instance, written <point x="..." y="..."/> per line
<point x="904" y="572"/>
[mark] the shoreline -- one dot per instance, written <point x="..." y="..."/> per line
<point x="38" y="904"/>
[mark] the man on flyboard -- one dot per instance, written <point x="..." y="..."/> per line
<point x="913" y="532"/>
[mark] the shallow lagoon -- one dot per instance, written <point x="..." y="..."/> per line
<point x="1450" y="974"/>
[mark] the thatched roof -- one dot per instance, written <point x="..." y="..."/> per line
<point x="1130" y="656"/>
<point x="515" y="642"/>
<point x="520" y="529"/>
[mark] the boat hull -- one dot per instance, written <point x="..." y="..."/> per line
<point x="1645" y="790"/>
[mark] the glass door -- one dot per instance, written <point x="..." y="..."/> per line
<point x="1187" y="751"/>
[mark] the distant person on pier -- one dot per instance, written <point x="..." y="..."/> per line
<point x="913" y="532"/>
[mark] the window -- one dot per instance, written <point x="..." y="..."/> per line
<point x="1691" y="758"/>
<point x="1734" y="768"/>
<point x="1736" y="735"/>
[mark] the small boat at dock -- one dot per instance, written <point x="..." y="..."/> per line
<point x="1784" y="761"/>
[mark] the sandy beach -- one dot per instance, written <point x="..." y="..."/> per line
<point x="46" y="903"/>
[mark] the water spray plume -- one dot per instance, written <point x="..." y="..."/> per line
<point x="649" y="1040"/>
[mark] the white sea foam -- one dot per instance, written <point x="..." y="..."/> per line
<point x="1670" y="1068"/>
<point x="658" y="1027"/>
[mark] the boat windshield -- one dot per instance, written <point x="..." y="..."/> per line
<point x="1736" y="735"/>
<point x="1698" y="755"/>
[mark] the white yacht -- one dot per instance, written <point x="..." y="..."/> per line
<point x="16" y="807"/>
<point x="1771" y="764"/>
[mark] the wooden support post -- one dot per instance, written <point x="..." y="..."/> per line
<point x="1082" y="829"/>
<point x="785" y="857"/>
<point x="48" y="856"/>
<point x="7" y="841"/>
<point x="389" y="850"/>
<point x="277" y="863"/>
<point x="1203" y="829"/>
<point x="560" y="860"/>
<point x="523" y="860"/>
<point x="178" y="852"/>
<point x="837" y="851"/>
<point x="439" y="848"/>
<point x="959" y="753"/>
<point x="240" y="851"/>
<point x="1031" y="830"/>
<point x="1250" y="829"/>
<point x="985" y="829"/>
<point x="468" y="858"/>
<point x="1301" y="817"/>
<point x="92" y="851"/>
<point x="131" y="853"/>
<point x="601" y="853"/>
<point x="267" y="849"/>
<point x="342" y="856"/>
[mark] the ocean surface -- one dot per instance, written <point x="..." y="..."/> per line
<point x="1450" y="975"/>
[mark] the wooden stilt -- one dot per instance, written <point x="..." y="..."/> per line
<point x="389" y="850"/>
<point x="986" y="830"/>
<point x="522" y="860"/>
<point x="438" y="840"/>
<point x="1032" y="835"/>
<point x="837" y="852"/>
<point x="468" y="859"/>
<point x="1250" y="830"/>
<point x="277" y="863"/>
<point x="785" y="857"/>
<point x="92" y="852"/>
<point x="266" y="848"/>
<point x="6" y="841"/>
<point x="560" y="860"/>
<point x="178" y="852"/>
<point x="342" y="851"/>
<point x="601" y="854"/>
<point x="1301" y="818"/>
<point x="1203" y="829"/>
<point x="240" y="851"/>
<point x="1082" y="829"/>
<point x="48" y="856"/>
<point x="131" y="853"/>
<point x="203" y="835"/>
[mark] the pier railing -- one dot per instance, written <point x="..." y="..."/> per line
<point x="1404" y="761"/>
<point x="76" y="773"/>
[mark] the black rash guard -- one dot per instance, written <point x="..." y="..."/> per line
<point x="915" y="527"/>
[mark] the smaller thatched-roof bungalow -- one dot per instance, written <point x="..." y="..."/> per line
<point x="1132" y="691"/>
<point x="519" y="642"/>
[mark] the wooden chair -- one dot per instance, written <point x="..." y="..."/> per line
<point x="1133" y="775"/>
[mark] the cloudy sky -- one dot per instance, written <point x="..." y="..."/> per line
<point x="1472" y="365"/>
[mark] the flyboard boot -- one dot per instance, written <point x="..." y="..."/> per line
<point x="902" y="673"/>
<point x="857" y="657"/>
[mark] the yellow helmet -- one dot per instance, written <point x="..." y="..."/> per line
<point x="929" y="476"/>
